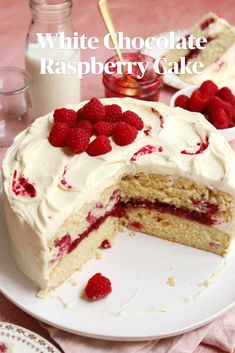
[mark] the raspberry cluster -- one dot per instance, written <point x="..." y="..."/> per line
<point x="217" y="105"/>
<point x="75" y="129"/>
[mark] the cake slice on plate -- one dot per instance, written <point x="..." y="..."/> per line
<point x="218" y="57"/>
<point x="159" y="170"/>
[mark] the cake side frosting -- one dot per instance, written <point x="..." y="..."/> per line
<point x="174" y="142"/>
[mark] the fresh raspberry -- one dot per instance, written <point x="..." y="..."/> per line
<point x="219" y="103"/>
<point x="80" y="114"/>
<point x="219" y="118"/>
<point x="100" y="145"/>
<point x="124" y="134"/>
<point x="209" y="88"/>
<point x="198" y="101"/>
<point x="66" y="116"/>
<point x="233" y="117"/>
<point x="132" y="119"/>
<point x="78" y="140"/>
<point x="113" y="112"/>
<point x="58" y="134"/>
<point x="182" y="101"/>
<point x="85" y="125"/>
<point x="98" y="287"/>
<point x="105" y="244"/>
<point x="226" y="94"/>
<point x="103" y="128"/>
<point x="94" y="111"/>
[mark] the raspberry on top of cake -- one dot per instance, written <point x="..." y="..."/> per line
<point x="71" y="179"/>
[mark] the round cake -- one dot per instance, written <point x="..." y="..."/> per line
<point x="174" y="179"/>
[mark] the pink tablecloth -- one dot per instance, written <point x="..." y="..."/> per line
<point x="134" y="17"/>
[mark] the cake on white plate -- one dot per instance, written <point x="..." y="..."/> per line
<point x="174" y="178"/>
<point x="218" y="57"/>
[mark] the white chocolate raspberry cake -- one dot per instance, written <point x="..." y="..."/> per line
<point x="218" y="56"/>
<point x="166" y="172"/>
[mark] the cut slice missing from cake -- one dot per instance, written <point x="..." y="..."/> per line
<point x="217" y="57"/>
<point x="174" y="179"/>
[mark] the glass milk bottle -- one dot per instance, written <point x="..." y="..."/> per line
<point x="49" y="90"/>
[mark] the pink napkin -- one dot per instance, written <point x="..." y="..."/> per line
<point x="219" y="336"/>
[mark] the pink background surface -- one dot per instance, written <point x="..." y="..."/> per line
<point x="134" y="18"/>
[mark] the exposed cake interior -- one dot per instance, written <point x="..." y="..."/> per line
<point x="154" y="204"/>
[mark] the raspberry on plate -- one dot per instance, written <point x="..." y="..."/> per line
<point x="58" y="134"/>
<point x="103" y="128"/>
<point x="209" y="88"/>
<point x="99" y="146"/>
<point x="113" y="113"/>
<point x="182" y="101"/>
<point x="78" y="140"/>
<point x="124" y="134"/>
<point x="66" y="116"/>
<point x="93" y="111"/>
<point x="226" y="94"/>
<point x="132" y="119"/>
<point x="85" y="125"/>
<point x="98" y="287"/>
<point x="198" y="101"/>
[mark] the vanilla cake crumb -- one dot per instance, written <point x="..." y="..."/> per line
<point x="73" y="281"/>
<point x="98" y="255"/>
<point x="171" y="282"/>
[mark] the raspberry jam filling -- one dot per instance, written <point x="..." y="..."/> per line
<point x="204" y="216"/>
<point x="207" y="23"/>
<point x="194" y="52"/>
<point x="22" y="187"/>
<point x="65" y="245"/>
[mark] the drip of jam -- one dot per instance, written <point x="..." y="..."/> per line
<point x="159" y="116"/>
<point x="202" y="147"/>
<point x="64" y="181"/>
<point x="22" y="186"/>
<point x="204" y="217"/>
<point x="148" y="149"/>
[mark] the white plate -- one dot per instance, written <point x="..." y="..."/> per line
<point x="170" y="80"/>
<point x="24" y="341"/>
<point x="141" y="306"/>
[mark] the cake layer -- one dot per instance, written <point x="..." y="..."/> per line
<point x="176" y="229"/>
<point x="179" y="192"/>
<point x="81" y="254"/>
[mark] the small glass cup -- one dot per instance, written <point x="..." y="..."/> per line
<point x="148" y="87"/>
<point x="15" y="104"/>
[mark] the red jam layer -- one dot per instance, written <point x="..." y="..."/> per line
<point x="205" y="216"/>
<point x="194" y="52"/>
<point x="207" y="23"/>
<point x="66" y="244"/>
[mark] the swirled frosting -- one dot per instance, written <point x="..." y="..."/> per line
<point x="174" y="141"/>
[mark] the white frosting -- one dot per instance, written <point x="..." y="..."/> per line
<point x="33" y="157"/>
